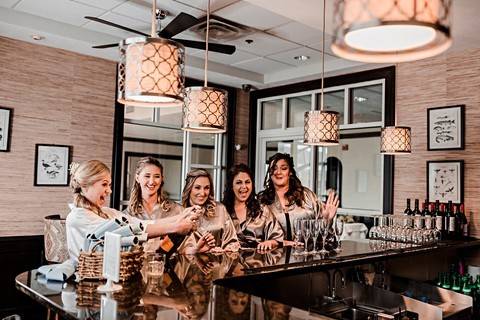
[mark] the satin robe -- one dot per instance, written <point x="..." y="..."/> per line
<point x="220" y="225"/>
<point x="158" y="213"/>
<point x="292" y="213"/>
<point x="261" y="228"/>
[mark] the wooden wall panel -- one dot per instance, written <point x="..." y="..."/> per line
<point x="58" y="97"/>
<point x="242" y="126"/>
<point x="449" y="79"/>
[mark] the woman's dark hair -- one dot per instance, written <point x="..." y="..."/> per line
<point x="253" y="205"/>
<point x="295" y="192"/>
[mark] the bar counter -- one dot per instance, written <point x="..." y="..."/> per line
<point x="228" y="286"/>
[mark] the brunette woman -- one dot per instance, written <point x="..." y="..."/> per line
<point x="288" y="199"/>
<point x="214" y="225"/>
<point x="255" y="225"/>
<point x="91" y="186"/>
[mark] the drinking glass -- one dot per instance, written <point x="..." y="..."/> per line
<point x="155" y="264"/>
<point x="307" y="233"/>
<point x="297" y="235"/>
<point x="338" y="226"/>
<point x="315" y="233"/>
<point x="373" y="233"/>
<point x="323" y="232"/>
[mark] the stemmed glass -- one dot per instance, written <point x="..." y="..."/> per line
<point x="315" y="233"/>
<point x="373" y="233"/>
<point x="297" y="229"/>
<point x="307" y="233"/>
<point x="338" y="226"/>
<point x="324" y="232"/>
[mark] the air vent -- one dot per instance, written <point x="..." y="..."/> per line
<point x="221" y="29"/>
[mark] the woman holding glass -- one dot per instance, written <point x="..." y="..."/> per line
<point x="288" y="199"/>
<point x="255" y="224"/>
<point x="215" y="230"/>
<point x="148" y="201"/>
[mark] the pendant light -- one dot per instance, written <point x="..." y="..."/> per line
<point x="151" y="70"/>
<point x="388" y="31"/>
<point x="321" y="126"/>
<point x="205" y="108"/>
<point x="396" y="140"/>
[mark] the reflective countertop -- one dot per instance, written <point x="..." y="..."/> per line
<point x="193" y="287"/>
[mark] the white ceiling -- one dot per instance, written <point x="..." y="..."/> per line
<point x="283" y="29"/>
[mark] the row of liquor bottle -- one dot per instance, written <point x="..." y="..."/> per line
<point x="448" y="218"/>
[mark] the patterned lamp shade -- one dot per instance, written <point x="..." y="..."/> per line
<point x="205" y="110"/>
<point x="321" y="128"/>
<point x="151" y="72"/>
<point x="396" y="140"/>
<point x="391" y="30"/>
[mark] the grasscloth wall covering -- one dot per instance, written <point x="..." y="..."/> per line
<point x="446" y="80"/>
<point x="58" y="97"/>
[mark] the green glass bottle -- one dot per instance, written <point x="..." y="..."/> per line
<point x="456" y="284"/>
<point x="446" y="281"/>
<point x="477" y="282"/>
<point x="467" y="287"/>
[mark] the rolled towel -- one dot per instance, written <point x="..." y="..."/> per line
<point x="107" y="226"/>
<point x="142" y="237"/>
<point x="137" y="227"/>
<point x="128" y="241"/>
<point x="125" y="220"/>
<point x="58" y="272"/>
<point x="125" y="231"/>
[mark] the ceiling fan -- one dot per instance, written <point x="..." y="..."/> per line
<point x="180" y="23"/>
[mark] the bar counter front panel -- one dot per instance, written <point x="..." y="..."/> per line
<point x="249" y="285"/>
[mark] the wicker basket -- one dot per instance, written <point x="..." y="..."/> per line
<point x="90" y="264"/>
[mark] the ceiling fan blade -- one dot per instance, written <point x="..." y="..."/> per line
<point x="180" y="23"/>
<point x="216" y="47"/>
<point x="104" y="46"/>
<point x="108" y="23"/>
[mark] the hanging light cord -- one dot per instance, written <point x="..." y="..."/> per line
<point x="206" y="43"/>
<point x="153" y="31"/>
<point x="323" y="57"/>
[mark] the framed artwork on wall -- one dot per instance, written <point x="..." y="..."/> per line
<point x="51" y="165"/>
<point x="445" y="181"/>
<point x="446" y="128"/>
<point x="5" y="128"/>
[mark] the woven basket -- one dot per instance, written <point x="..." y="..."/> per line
<point x="90" y="264"/>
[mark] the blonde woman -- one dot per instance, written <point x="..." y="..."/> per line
<point x="91" y="185"/>
<point x="215" y="230"/>
<point x="148" y="201"/>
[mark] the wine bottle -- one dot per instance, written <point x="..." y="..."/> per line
<point x="407" y="210"/>
<point x="437" y="215"/>
<point x="464" y="221"/>
<point x="417" y="214"/>
<point x="449" y="221"/>
<point x="427" y="215"/>
<point x="458" y="222"/>
<point x="170" y="243"/>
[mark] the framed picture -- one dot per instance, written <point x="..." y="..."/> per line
<point x="445" y="127"/>
<point x="445" y="181"/>
<point x="51" y="165"/>
<point x="5" y="128"/>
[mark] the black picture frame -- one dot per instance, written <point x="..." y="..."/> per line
<point x="445" y="181"/>
<point x="52" y="162"/>
<point x="6" y="117"/>
<point x="446" y="128"/>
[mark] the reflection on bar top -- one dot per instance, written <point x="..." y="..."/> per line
<point x="189" y="284"/>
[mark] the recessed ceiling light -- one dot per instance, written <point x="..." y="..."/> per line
<point x="360" y="99"/>
<point x="37" y="37"/>
<point x="301" y="58"/>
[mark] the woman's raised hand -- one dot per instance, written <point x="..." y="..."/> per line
<point x="329" y="209"/>
<point x="185" y="224"/>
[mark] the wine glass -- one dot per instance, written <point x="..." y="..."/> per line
<point x="323" y="232"/>
<point x="297" y="234"/>
<point x="315" y="224"/>
<point x="373" y="233"/>
<point x="307" y="233"/>
<point x="338" y="227"/>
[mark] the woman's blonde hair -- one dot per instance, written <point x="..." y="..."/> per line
<point x="135" y="206"/>
<point x="83" y="176"/>
<point x="192" y="176"/>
